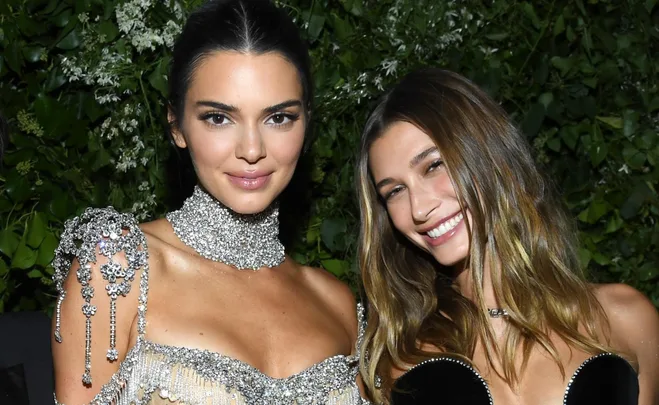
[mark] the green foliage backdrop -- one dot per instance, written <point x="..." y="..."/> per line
<point x="83" y="83"/>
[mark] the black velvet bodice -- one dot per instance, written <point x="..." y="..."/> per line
<point x="604" y="379"/>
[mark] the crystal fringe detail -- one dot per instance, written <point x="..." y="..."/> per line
<point x="220" y="234"/>
<point x="111" y="233"/>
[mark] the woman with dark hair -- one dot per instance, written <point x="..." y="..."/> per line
<point x="471" y="271"/>
<point x="231" y="319"/>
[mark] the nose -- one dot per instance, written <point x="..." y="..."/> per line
<point x="251" y="147"/>
<point x="422" y="204"/>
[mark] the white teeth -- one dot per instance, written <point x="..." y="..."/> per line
<point x="445" y="227"/>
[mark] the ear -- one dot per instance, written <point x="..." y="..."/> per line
<point x="175" y="130"/>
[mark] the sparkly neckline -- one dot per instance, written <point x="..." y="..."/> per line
<point x="159" y="347"/>
<point x="216" y="232"/>
<point x="581" y="366"/>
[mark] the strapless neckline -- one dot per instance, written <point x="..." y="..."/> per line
<point x="160" y="347"/>
<point x="478" y="376"/>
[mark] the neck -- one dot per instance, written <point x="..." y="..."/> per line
<point x="245" y="241"/>
<point x="465" y="283"/>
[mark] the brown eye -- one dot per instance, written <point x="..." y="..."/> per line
<point x="278" y="118"/>
<point x="216" y="119"/>
<point x="281" y="119"/>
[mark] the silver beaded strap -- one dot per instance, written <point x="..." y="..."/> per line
<point x="106" y="232"/>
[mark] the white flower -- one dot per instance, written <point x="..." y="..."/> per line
<point x="389" y="66"/>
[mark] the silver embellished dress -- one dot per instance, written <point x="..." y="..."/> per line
<point x="152" y="373"/>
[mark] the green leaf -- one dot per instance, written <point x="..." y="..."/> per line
<point x="47" y="250"/>
<point x="528" y="9"/>
<point x="9" y="241"/>
<point x="24" y="257"/>
<point x="4" y="269"/>
<point x="615" y="223"/>
<point x="36" y="231"/>
<point x="559" y="25"/>
<point x="13" y="56"/>
<point x="316" y="23"/>
<point x="70" y="41"/>
<point x="554" y="144"/>
<point x="533" y="120"/>
<point x="570" y="136"/>
<point x="35" y="273"/>
<point x="584" y="257"/>
<point x="108" y="30"/>
<point x="33" y="54"/>
<point x="648" y="272"/>
<point x="637" y="198"/>
<point x="158" y="78"/>
<point x="62" y="19"/>
<point x="613" y="122"/>
<point x="330" y="232"/>
<point x="334" y="266"/>
<point x="634" y="158"/>
<point x="562" y="64"/>
<point x="596" y="210"/>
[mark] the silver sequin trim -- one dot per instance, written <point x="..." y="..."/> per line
<point x="220" y="234"/>
<point x="200" y="377"/>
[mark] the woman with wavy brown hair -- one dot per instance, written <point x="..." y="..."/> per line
<point x="471" y="271"/>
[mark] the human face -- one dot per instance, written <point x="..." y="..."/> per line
<point x="244" y="125"/>
<point x="411" y="178"/>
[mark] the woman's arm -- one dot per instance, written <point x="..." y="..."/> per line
<point x="635" y="328"/>
<point x="94" y="270"/>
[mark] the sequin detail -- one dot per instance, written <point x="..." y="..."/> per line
<point x="106" y="232"/>
<point x="220" y="234"/>
<point x="152" y="372"/>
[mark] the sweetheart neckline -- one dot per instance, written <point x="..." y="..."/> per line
<point x="487" y="387"/>
<point x="307" y="370"/>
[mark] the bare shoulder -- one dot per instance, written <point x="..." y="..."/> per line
<point x="622" y="302"/>
<point x="633" y="318"/>
<point x="98" y="271"/>
<point x="335" y="293"/>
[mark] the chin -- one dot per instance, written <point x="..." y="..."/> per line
<point x="249" y="203"/>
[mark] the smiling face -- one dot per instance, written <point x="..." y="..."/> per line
<point x="412" y="180"/>
<point x="244" y="125"/>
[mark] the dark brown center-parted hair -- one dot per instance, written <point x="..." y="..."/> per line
<point x="519" y="231"/>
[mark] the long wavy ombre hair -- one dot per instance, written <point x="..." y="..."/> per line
<point x="519" y="231"/>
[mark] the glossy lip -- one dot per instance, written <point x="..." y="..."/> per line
<point x="250" y="180"/>
<point x="448" y="235"/>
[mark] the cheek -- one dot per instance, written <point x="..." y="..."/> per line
<point x="400" y="217"/>
<point x="286" y="148"/>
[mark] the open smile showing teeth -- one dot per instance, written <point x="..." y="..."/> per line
<point x="445" y="227"/>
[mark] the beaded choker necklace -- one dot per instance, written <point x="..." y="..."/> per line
<point x="245" y="241"/>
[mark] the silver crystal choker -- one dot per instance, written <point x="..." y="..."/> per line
<point x="246" y="241"/>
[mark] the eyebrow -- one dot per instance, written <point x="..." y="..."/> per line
<point x="419" y="157"/>
<point x="230" y="108"/>
<point x="413" y="163"/>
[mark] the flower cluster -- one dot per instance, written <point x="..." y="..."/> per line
<point x="441" y="26"/>
<point x="116" y="60"/>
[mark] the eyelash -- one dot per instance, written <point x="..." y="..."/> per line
<point x="207" y="117"/>
<point x="432" y="166"/>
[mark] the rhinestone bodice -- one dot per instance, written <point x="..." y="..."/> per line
<point x="157" y="374"/>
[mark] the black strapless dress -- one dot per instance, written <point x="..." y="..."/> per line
<point x="604" y="379"/>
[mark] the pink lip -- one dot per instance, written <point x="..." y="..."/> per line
<point x="448" y="235"/>
<point x="249" y="180"/>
